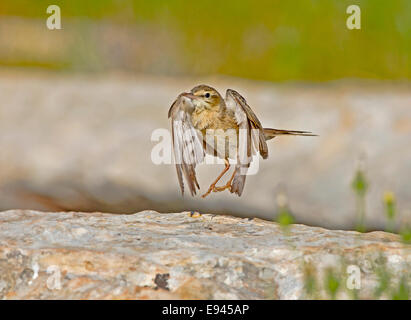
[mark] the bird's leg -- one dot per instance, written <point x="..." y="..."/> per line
<point x="226" y="186"/>
<point x="212" y="186"/>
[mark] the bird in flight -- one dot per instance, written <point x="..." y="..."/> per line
<point x="236" y="134"/>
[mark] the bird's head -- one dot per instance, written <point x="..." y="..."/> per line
<point x="205" y="97"/>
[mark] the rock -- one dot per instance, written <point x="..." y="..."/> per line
<point x="148" y="255"/>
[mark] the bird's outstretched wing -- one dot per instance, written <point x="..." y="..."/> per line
<point x="251" y="137"/>
<point x="187" y="145"/>
<point x="246" y="119"/>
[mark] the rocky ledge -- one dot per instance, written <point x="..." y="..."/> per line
<point x="148" y="255"/>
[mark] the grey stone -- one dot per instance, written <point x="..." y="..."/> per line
<point x="149" y="255"/>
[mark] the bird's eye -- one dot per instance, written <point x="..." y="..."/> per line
<point x="207" y="95"/>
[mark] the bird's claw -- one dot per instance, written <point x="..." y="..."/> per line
<point x="208" y="192"/>
<point x="219" y="189"/>
<point x="213" y="188"/>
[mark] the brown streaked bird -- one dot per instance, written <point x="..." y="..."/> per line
<point x="193" y="114"/>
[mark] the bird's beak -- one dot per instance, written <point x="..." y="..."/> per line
<point x="189" y="95"/>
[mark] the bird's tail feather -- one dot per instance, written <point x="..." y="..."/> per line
<point x="272" y="133"/>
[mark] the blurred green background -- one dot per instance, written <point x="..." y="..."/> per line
<point x="265" y="40"/>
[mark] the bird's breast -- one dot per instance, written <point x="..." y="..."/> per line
<point x="204" y="119"/>
<point x="222" y="143"/>
<point x="220" y="131"/>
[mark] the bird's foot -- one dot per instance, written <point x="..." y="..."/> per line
<point x="210" y="189"/>
<point x="228" y="185"/>
<point x="219" y="189"/>
<point x="213" y="188"/>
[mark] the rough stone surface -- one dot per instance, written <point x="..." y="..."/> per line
<point x="147" y="255"/>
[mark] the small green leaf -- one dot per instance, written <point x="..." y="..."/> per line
<point x="285" y="218"/>
<point x="359" y="183"/>
<point x="406" y="235"/>
<point x="332" y="283"/>
<point x="402" y="292"/>
<point x="384" y="278"/>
